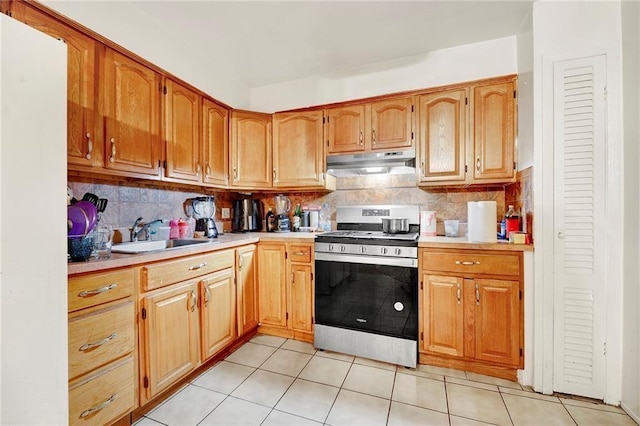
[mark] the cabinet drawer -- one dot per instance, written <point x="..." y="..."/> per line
<point x="94" y="289"/>
<point x="300" y="253"/>
<point x="100" y="337"/>
<point x="468" y="263"/>
<point x="165" y="273"/>
<point x="105" y="397"/>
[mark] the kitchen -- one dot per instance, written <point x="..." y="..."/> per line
<point x="356" y="88"/>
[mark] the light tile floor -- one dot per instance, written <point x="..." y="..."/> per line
<point x="275" y="381"/>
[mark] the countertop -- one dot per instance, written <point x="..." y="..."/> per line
<point x="230" y="240"/>
<point x="463" y="243"/>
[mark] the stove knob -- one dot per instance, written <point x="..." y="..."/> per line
<point x="398" y="252"/>
<point x="384" y="250"/>
<point x="330" y="247"/>
<point x="343" y="248"/>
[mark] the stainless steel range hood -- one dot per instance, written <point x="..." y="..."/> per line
<point x="395" y="162"/>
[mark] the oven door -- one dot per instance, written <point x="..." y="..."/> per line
<point x="371" y="294"/>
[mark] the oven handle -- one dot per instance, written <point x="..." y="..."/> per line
<point x="370" y="260"/>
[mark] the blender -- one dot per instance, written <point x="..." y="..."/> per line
<point x="204" y="208"/>
<point x="283" y="205"/>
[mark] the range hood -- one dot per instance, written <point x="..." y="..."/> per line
<point x="396" y="162"/>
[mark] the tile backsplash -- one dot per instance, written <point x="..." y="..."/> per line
<point x="128" y="200"/>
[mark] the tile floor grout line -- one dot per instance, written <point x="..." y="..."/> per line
<point x="506" y="407"/>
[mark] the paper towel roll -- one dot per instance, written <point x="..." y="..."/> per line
<point x="481" y="221"/>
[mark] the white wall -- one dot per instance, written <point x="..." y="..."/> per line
<point x="563" y="30"/>
<point x="157" y="44"/>
<point x="631" y="234"/>
<point x="33" y="265"/>
<point x="525" y="94"/>
<point x="437" y="68"/>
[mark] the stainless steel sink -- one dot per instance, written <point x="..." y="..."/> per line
<point x="147" y="246"/>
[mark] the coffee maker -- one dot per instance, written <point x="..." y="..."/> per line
<point x="247" y="215"/>
<point x="204" y="209"/>
<point x="283" y="205"/>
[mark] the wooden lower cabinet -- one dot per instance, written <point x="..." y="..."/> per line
<point x="247" y="288"/>
<point x="170" y="321"/>
<point x="102" y="346"/>
<point x="285" y="272"/>
<point x="217" y="312"/>
<point x="472" y="320"/>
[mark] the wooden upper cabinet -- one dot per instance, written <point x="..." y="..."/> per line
<point x="298" y="150"/>
<point x="442" y="135"/>
<point x="494" y="130"/>
<point x="131" y="98"/>
<point x="182" y="108"/>
<point x="346" y="129"/>
<point x="250" y="145"/>
<point x="391" y="124"/>
<point x="83" y="144"/>
<point x="215" y="144"/>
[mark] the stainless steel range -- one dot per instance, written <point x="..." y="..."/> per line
<point x="366" y="285"/>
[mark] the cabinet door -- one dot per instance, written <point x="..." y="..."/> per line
<point x="215" y="144"/>
<point x="131" y="109"/>
<point x="250" y="150"/>
<point x="217" y="312"/>
<point x="301" y="297"/>
<point x="272" y="284"/>
<point x="391" y="124"/>
<point x="346" y="129"/>
<point x="494" y="123"/>
<point x="182" y="109"/>
<point x="170" y="321"/>
<point x="442" y="124"/>
<point x="298" y="150"/>
<point x="443" y="321"/>
<point x="82" y="144"/>
<point x="497" y="321"/>
<point x="247" y="289"/>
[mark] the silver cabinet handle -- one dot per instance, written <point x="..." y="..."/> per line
<point x="293" y="279"/>
<point x="198" y="266"/>
<point x="361" y="137"/>
<point x="207" y="295"/>
<point x="240" y="262"/>
<point x="88" y="293"/>
<point x="208" y="168"/>
<point x="478" y="164"/>
<point x="89" y="146"/>
<point x="198" y="169"/>
<point x="373" y="137"/>
<point x="112" y="398"/>
<point x="275" y="175"/>
<point x="88" y="346"/>
<point x="112" y="159"/>
<point x="194" y="301"/>
<point x="422" y="168"/>
<point x="299" y="253"/>
<point x="235" y="173"/>
<point x="466" y="262"/>
<point x="459" y="294"/>
<point x="477" y="295"/>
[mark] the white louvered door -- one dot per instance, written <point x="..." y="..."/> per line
<point x="579" y="226"/>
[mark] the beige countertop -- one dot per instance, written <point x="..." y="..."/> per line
<point x="224" y="241"/>
<point x="463" y="243"/>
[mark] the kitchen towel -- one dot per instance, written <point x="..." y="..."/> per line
<point x="481" y="221"/>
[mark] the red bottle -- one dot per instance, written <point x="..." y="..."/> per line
<point x="512" y="219"/>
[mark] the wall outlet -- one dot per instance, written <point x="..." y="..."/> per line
<point x="226" y="212"/>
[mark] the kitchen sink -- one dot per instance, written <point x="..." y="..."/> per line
<point x="146" y="246"/>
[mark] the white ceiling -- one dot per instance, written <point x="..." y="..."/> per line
<point x="267" y="42"/>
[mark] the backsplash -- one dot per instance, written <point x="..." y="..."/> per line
<point x="128" y="200"/>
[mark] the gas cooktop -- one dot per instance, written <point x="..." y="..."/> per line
<point x="370" y="235"/>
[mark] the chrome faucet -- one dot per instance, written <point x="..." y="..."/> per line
<point x="136" y="230"/>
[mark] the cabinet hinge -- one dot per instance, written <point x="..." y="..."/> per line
<point x="411" y="108"/>
<point x="286" y="316"/>
<point x="327" y="119"/>
<point x="146" y="382"/>
<point x="159" y="164"/>
<point x="327" y="144"/>
<point x="421" y="285"/>
<point x="421" y="335"/>
<point x="465" y="168"/>
<point x="514" y="165"/>
<point x="164" y="90"/>
<point x="164" y="164"/>
<point x="520" y="351"/>
<point x="323" y="120"/>
<point x="312" y="276"/>
<point x="466" y="101"/>
<point x="144" y="313"/>
<point x="520" y="294"/>
<point x="286" y="255"/>
<point x="514" y="94"/>
<point x="411" y="135"/>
